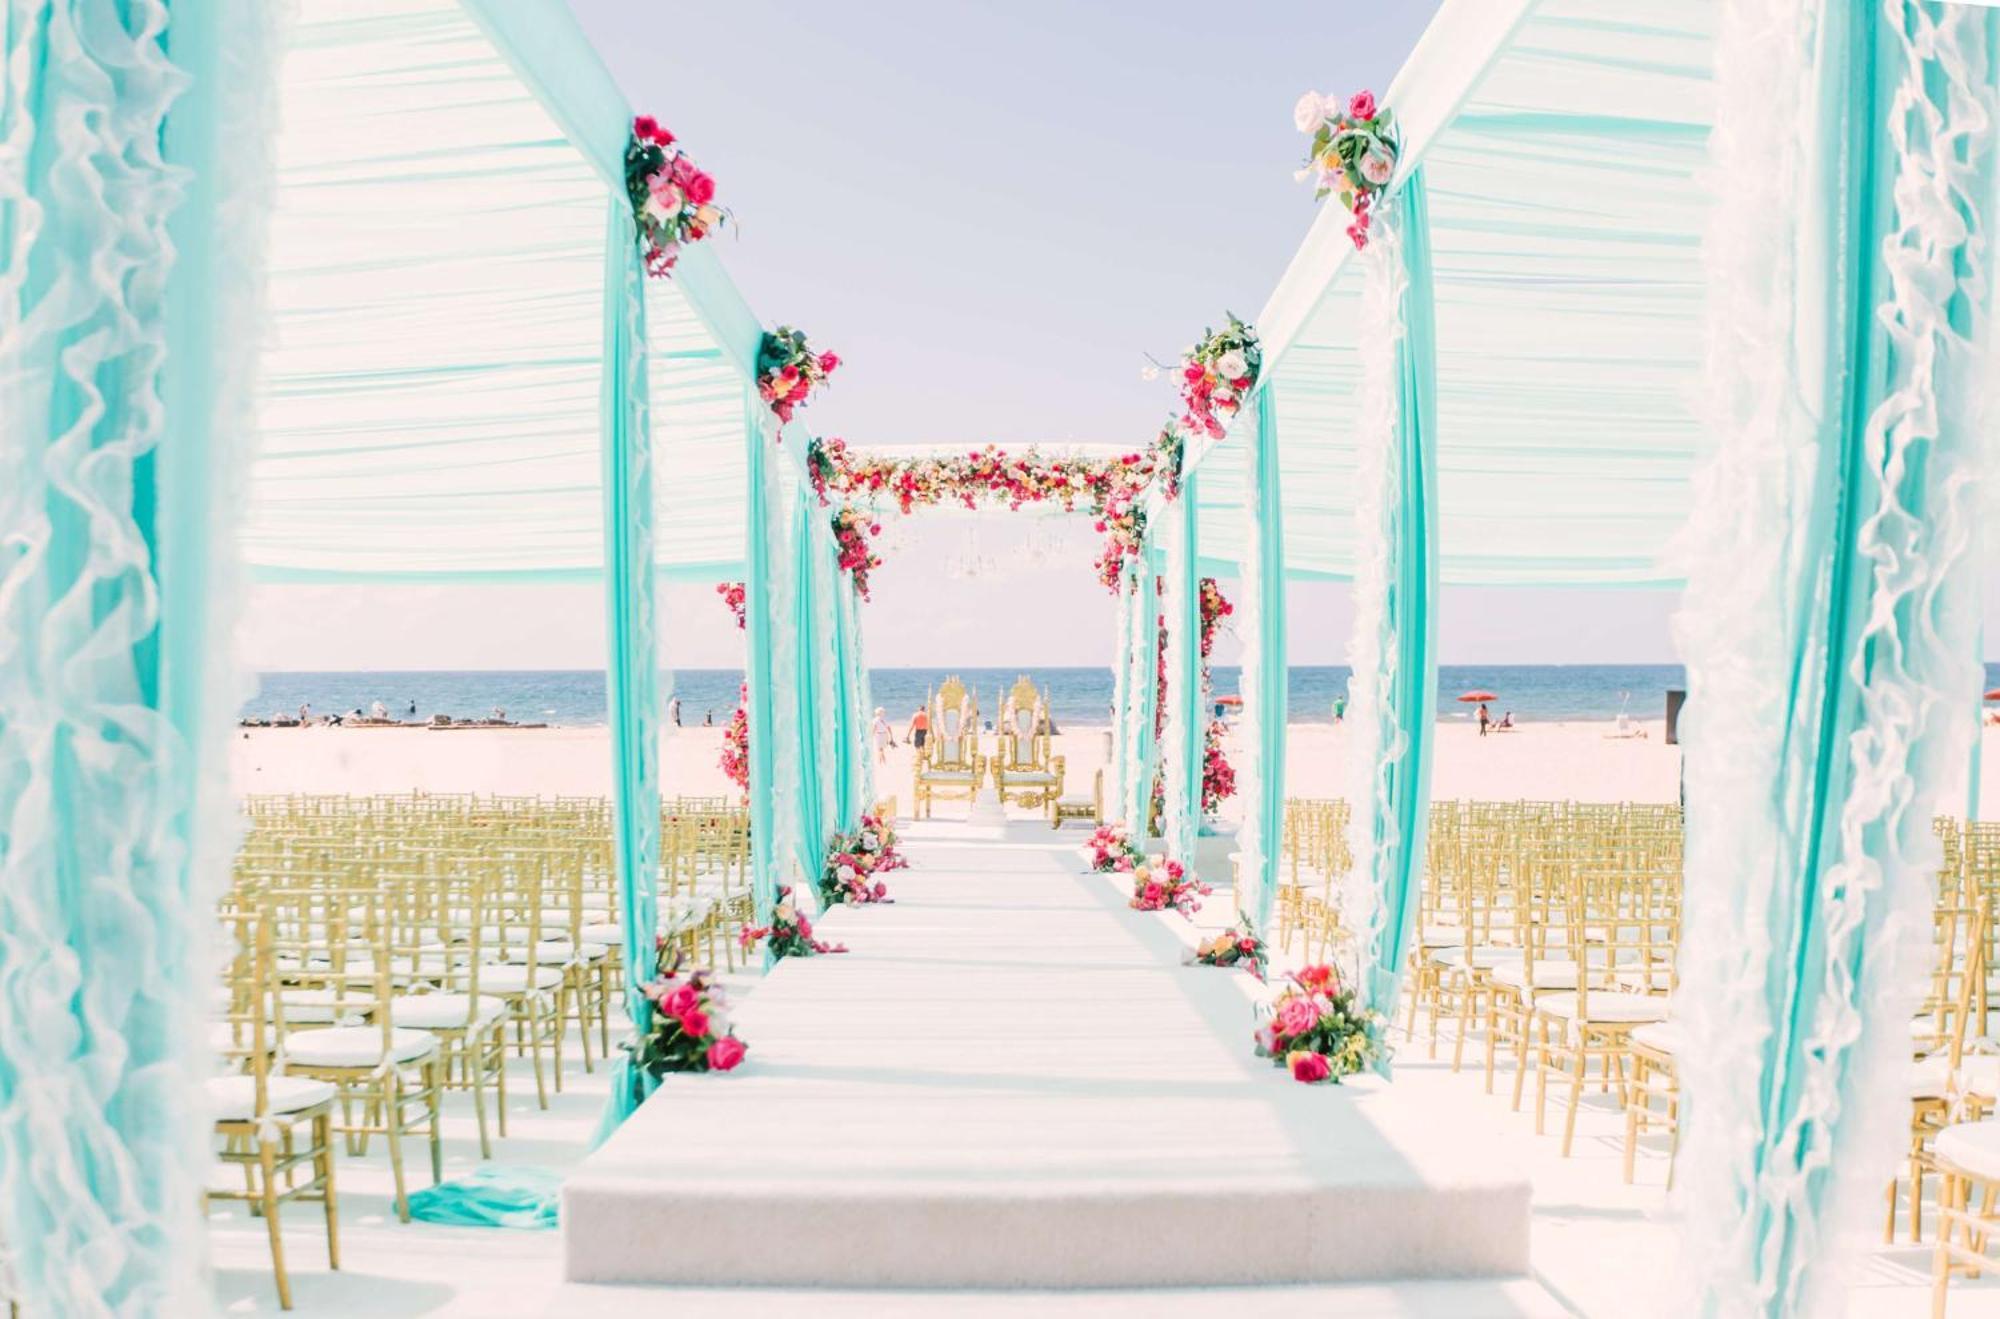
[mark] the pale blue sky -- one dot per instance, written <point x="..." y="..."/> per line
<point x="992" y="209"/>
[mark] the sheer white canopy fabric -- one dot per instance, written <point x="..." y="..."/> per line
<point x="1565" y="188"/>
<point x="431" y="408"/>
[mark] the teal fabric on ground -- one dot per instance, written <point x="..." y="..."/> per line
<point x="632" y="677"/>
<point x="1408" y="682"/>
<point x="1268" y="719"/>
<point x="521" y="1198"/>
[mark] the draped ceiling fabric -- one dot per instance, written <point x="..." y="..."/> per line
<point x="437" y="262"/>
<point x="1565" y="226"/>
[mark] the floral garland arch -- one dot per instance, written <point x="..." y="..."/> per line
<point x="1110" y="488"/>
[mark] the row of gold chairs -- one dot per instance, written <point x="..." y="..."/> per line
<point x="387" y="950"/>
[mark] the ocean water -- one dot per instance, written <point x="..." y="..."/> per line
<point x="1533" y="692"/>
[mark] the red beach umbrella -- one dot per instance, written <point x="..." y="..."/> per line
<point x="1993" y="695"/>
<point x="1469" y="697"/>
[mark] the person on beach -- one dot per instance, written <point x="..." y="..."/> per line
<point x="885" y="737"/>
<point x="1485" y="719"/>
<point x="1506" y="724"/>
<point x="920" y="729"/>
<point x="413" y="709"/>
<point x="708" y="719"/>
<point x="379" y="711"/>
<point x="674" y="711"/>
<point x="1339" y="708"/>
<point x="305" y="714"/>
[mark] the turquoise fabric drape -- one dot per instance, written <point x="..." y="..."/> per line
<point x="809" y="719"/>
<point x="757" y="663"/>
<point x="1392" y="817"/>
<point x="1829" y="624"/>
<point x="1271" y="711"/>
<point x="852" y="743"/>
<point x="1136" y="734"/>
<point x="115" y="613"/>
<point x="1187" y="717"/>
<point x="633" y="668"/>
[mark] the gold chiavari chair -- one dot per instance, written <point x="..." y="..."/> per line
<point x="337" y="940"/>
<point x="1951" y="1080"/>
<point x="259" y="1108"/>
<point x="1623" y="927"/>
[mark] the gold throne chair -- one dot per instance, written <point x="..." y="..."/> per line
<point x="1024" y="770"/>
<point x="950" y="765"/>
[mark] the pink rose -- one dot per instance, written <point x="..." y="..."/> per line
<point x="1310" y="1067"/>
<point x="695" y="1022"/>
<point x="828" y="361"/>
<point x="725" y="1053"/>
<point x="700" y="188"/>
<point x="644" y="127"/>
<point x="881" y="890"/>
<point x="1320" y="977"/>
<point x="1124" y="863"/>
<point x="1361" y="105"/>
<point x="680" y="1002"/>
<point x="1296" y="1017"/>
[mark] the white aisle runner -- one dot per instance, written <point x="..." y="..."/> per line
<point x="1012" y="1081"/>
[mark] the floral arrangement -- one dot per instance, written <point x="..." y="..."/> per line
<point x="1158" y="887"/>
<point x="1169" y="451"/>
<point x="1110" y="848"/>
<point x="1318" y="1031"/>
<point x="1217" y="374"/>
<point x="1237" y="947"/>
<point x="1123" y="523"/>
<point x="1218" y="776"/>
<point x="1109" y="487"/>
<point x="790" y="931"/>
<point x="877" y="835"/>
<point x="735" y="759"/>
<point x="853" y="862"/>
<point x="982" y="475"/>
<point x="690" y="1030"/>
<point x="1215" y="607"/>
<point x="852" y="528"/>
<point x="788" y="370"/>
<point x="824" y="460"/>
<point x="673" y="202"/>
<point x="1353" y="153"/>
<point x="733" y="595"/>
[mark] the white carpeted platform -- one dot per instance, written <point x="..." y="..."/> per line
<point x="1012" y="1082"/>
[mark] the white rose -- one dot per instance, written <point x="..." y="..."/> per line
<point x="846" y="874"/>
<point x="1376" y="167"/>
<point x="1309" y="111"/>
<point x="1231" y="366"/>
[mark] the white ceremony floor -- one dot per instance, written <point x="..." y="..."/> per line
<point x="1012" y="1081"/>
<point x="1597" y="1247"/>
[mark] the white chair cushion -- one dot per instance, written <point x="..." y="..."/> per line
<point x="1978" y="1074"/>
<point x="554" y="950"/>
<point x="1029" y="776"/>
<point x="1441" y="936"/>
<point x="234" y="1098"/>
<point x="322" y="1007"/>
<point x="1606" y="1005"/>
<point x="356" y="1046"/>
<point x="1973" y="1147"/>
<point x="946" y="776"/>
<point x="1660" y="1036"/>
<point x="443" y="1011"/>
<point x="1481" y="957"/>
<point x="607" y="935"/>
<point x="1549" y="974"/>
<point x="513" y="978"/>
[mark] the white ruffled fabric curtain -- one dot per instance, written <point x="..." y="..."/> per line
<point x="1377" y="738"/>
<point x="134" y="174"/>
<point x="1183" y="730"/>
<point x="1830" y="617"/>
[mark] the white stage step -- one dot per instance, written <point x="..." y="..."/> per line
<point x="1011" y="1082"/>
